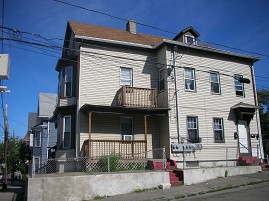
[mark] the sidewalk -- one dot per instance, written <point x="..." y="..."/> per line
<point x="201" y="188"/>
<point x="12" y="193"/>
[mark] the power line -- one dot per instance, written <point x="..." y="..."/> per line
<point x="32" y="43"/>
<point x="234" y="48"/>
<point x="62" y="48"/>
<point x="157" y="28"/>
<point x="162" y="64"/>
<point x="113" y="16"/>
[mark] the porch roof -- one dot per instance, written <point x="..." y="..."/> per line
<point x="245" y="105"/>
<point x="124" y="110"/>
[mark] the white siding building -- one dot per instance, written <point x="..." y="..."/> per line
<point x="117" y="94"/>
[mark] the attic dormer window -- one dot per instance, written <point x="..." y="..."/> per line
<point x="190" y="39"/>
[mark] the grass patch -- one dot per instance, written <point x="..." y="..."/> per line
<point x="139" y="190"/>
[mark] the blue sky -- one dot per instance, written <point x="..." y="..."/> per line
<point x="241" y="24"/>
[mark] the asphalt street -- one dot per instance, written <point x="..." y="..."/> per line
<point x="257" y="192"/>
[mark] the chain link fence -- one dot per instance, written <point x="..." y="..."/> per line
<point x="105" y="163"/>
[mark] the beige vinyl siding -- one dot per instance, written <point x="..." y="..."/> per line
<point x="206" y="106"/>
<point x="100" y="73"/>
<point x="161" y="60"/>
<point x="107" y="127"/>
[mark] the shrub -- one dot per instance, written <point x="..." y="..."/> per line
<point x="110" y="162"/>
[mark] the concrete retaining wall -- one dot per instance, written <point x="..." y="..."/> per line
<point x="193" y="176"/>
<point x="85" y="187"/>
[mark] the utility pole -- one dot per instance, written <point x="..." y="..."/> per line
<point x="5" y="149"/>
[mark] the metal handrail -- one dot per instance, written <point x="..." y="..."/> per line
<point x="244" y="146"/>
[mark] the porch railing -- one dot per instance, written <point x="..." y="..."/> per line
<point x="137" y="97"/>
<point x="124" y="149"/>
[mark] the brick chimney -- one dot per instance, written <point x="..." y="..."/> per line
<point x="131" y="26"/>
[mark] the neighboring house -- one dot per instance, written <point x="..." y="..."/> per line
<point x="44" y="132"/>
<point x="32" y="116"/>
<point x="117" y="94"/>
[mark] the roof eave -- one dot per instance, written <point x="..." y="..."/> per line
<point x="114" y="42"/>
<point x="213" y="50"/>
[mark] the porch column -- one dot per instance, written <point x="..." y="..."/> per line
<point x="146" y="134"/>
<point x="90" y="134"/>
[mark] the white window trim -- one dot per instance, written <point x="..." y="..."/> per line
<point x="215" y="82"/>
<point x="193" y="39"/>
<point x="126" y="136"/>
<point x="65" y="80"/>
<point x="241" y="85"/>
<point x="197" y="127"/>
<point x="123" y="136"/>
<point x="40" y="135"/>
<point x="194" y="79"/>
<point x="131" y="84"/>
<point x="64" y="147"/>
<point x="222" y="125"/>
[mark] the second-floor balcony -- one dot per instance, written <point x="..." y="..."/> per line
<point x="137" y="97"/>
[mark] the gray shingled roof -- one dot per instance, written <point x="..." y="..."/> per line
<point x="46" y="104"/>
<point x="32" y="117"/>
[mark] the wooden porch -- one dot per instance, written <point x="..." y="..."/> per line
<point x="137" y="97"/>
<point x="123" y="149"/>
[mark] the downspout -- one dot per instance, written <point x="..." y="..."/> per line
<point x="257" y="112"/>
<point x="77" y="143"/>
<point x="176" y="93"/>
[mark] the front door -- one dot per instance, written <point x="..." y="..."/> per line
<point x="243" y="136"/>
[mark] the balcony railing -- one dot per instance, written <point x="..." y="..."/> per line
<point x="124" y="149"/>
<point x="137" y="97"/>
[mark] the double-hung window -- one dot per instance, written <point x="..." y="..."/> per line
<point x="192" y="127"/>
<point x="38" y="139"/>
<point x="67" y="132"/>
<point x="215" y="82"/>
<point x="126" y="76"/>
<point x="239" y="87"/>
<point x="126" y="128"/>
<point x="218" y="129"/>
<point x="68" y="81"/>
<point x="189" y="40"/>
<point x="161" y="79"/>
<point x="189" y="79"/>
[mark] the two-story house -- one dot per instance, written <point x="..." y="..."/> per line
<point x="43" y="131"/>
<point x="127" y="93"/>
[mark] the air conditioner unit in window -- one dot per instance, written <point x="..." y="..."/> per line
<point x="127" y="137"/>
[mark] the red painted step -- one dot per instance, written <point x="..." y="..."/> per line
<point x="176" y="177"/>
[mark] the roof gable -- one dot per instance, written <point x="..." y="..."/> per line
<point x="189" y="29"/>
